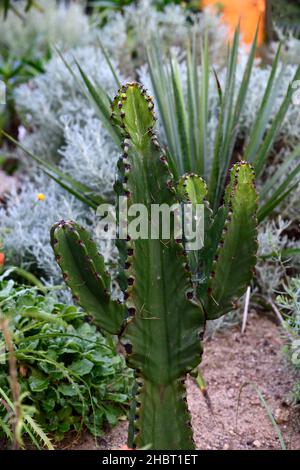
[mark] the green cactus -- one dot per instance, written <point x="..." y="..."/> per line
<point x="169" y="293"/>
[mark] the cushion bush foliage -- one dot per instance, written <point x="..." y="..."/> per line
<point x="33" y="33"/>
<point x="25" y="220"/>
<point x="289" y="303"/>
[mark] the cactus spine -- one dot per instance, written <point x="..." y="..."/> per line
<point x="169" y="293"/>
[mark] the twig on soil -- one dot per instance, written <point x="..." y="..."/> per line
<point x="276" y="311"/>
<point x="279" y="316"/>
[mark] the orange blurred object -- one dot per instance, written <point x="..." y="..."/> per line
<point x="2" y="259"/>
<point x="248" y="12"/>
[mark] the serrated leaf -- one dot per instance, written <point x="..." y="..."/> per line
<point x="81" y="367"/>
<point x="38" y="384"/>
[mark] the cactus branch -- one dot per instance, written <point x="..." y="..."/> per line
<point x="235" y="257"/>
<point x="84" y="271"/>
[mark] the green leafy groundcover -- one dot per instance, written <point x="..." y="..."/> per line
<point x="73" y="374"/>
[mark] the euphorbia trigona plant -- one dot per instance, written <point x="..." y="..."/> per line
<point x="169" y="293"/>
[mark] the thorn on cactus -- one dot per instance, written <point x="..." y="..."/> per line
<point x="131" y="311"/>
<point x="128" y="348"/>
<point x="201" y="335"/>
<point x="139" y="382"/>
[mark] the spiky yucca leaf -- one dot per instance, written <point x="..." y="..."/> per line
<point x="194" y="117"/>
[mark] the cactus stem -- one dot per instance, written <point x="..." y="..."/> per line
<point x="190" y="295"/>
<point x="128" y="348"/>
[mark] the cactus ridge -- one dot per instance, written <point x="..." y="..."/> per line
<point x="169" y="292"/>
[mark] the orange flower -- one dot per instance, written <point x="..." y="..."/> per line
<point x="247" y="12"/>
<point x="2" y="259"/>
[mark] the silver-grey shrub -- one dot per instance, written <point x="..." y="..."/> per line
<point x="55" y="98"/>
<point x="26" y="221"/>
<point x="60" y="24"/>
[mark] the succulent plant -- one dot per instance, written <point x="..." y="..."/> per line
<point x="169" y="292"/>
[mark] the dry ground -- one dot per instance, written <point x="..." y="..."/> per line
<point x="229" y="361"/>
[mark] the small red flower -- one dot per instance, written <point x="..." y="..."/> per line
<point x="2" y="259"/>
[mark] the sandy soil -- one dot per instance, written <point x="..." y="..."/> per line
<point x="230" y="360"/>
